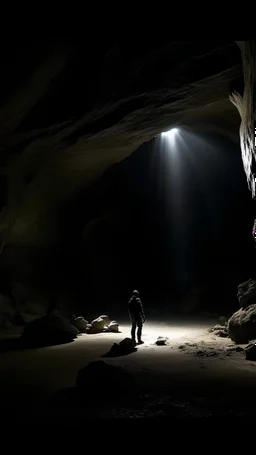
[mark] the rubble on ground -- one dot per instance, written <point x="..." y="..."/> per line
<point x="205" y="349"/>
<point x="219" y="330"/>
<point x="161" y="341"/>
<point x="101" y="324"/>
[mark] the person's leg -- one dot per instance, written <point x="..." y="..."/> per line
<point x="139" y="332"/>
<point x="133" y="329"/>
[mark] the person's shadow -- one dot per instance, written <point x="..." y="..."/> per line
<point x="125" y="347"/>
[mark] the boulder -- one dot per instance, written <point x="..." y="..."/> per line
<point x="161" y="341"/>
<point x="106" y="329"/>
<point x="80" y="323"/>
<point x="247" y="293"/>
<point x="47" y="331"/>
<point x="113" y="326"/>
<point x="97" y="325"/>
<point x="102" y="379"/>
<point x="250" y="352"/>
<point x="106" y="319"/>
<point x="125" y="347"/>
<point x="127" y="344"/>
<point x="242" y="325"/>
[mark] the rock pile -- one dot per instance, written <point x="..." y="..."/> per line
<point x="101" y="324"/>
<point x="219" y="330"/>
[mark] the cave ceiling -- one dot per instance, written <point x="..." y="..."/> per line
<point x="69" y="110"/>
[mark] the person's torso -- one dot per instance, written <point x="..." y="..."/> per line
<point x="134" y="305"/>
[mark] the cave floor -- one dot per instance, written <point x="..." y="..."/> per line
<point x="196" y="375"/>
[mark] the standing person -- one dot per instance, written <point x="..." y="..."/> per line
<point x="137" y="316"/>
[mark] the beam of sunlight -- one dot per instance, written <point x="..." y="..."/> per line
<point x="170" y="133"/>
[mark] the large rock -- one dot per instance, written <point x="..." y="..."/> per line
<point x="80" y="323"/>
<point x="97" y="326"/>
<point x="247" y="293"/>
<point x="102" y="324"/>
<point x="125" y="347"/>
<point x="113" y="326"/>
<point x="242" y="325"/>
<point x="48" y="331"/>
<point x="103" y="379"/>
<point x="106" y="319"/>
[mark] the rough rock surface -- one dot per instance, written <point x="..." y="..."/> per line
<point x="102" y="324"/>
<point x="219" y="330"/>
<point x="125" y="347"/>
<point x="106" y="319"/>
<point x="216" y="327"/>
<point x="206" y="349"/>
<point x="47" y="331"/>
<point x="97" y="325"/>
<point x="113" y="326"/>
<point x="242" y="325"/>
<point x="100" y="378"/>
<point x="80" y="323"/>
<point x="247" y="293"/>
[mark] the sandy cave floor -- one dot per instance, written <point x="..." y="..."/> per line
<point x="196" y="374"/>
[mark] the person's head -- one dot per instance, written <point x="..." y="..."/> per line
<point x="135" y="293"/>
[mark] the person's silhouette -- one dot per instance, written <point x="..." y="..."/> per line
<point x="137" y="316"/>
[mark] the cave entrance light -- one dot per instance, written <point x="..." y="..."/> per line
<point x="170" y="133"/>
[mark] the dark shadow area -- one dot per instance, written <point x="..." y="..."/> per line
<point x="170" y="403"/>
<point x="18" y="344"/>
<point x="37" y="345"/>
<point x="11" y="344"/>
<point x="50" y="330"/>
